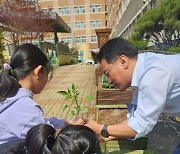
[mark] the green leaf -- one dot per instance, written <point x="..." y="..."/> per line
<point x="73" y="87"/>
<point x="89" y="97"/>
<point x="69" y="92"/>
<point x="65" y="107"/>
<point x="68" y="97"/>
<point x="72" y="113"/>
<point x="78" y="108"/>
<point x="62" y="92"/>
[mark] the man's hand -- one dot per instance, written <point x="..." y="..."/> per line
<point x="103" y="139"/>
<point x="97" y="129"/>
<point x="94" y="126"/>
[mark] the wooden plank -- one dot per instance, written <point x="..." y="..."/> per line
<point x="125" y="144"/>
<point x="98" y="74"/>
<point x="120" y="106"/>
<point x="113" y="96"/>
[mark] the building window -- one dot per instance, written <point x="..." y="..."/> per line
<point x="79" y="9"/>
<point x="94" y="38"/>
<point x="106" y="8"/>
<point x="79" y="25"/>
<point x="95" y="23"/>
<point x="80" y="39"/>
<point x="95" y="8"/>
<point x="51" y="40"/>
<point x="67" y="39"/>
<point x="64" y="10"/>
<point x="106" y="22"/>
<point x="152" y="4"/>
<point x="48" y="10"/>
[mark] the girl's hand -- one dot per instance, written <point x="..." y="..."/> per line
<point x="78" y="121"/>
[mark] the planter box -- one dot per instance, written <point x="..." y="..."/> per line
<point x="113" y="96"/>
<point x="121" y="144"/>
<point x="101" y="107"/>
<point x="113" y="99"/>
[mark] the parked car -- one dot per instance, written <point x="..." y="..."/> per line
<point x="89" y="62"/>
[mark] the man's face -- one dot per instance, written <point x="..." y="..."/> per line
<point x="117" y="72"/>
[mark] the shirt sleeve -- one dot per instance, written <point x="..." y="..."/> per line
<point x="57" y="123"/>
<point x="153" y="89"/>
<point x="38" y="118"/>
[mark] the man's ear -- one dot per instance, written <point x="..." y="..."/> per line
<point x="124" y="61"/>
<point x="37" y="71"/>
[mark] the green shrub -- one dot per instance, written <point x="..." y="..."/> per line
<point x="138" y="44"/>
<point x="174" y="49"/>
<point x="105" y="83"/>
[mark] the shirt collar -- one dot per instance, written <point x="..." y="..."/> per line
<point x="137" y="69"/>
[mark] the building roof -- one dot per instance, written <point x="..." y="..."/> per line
<point x="60" y="25"/>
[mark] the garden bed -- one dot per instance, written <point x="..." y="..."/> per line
<point x="114" y="114"/>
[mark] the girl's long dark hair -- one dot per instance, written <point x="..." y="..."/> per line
<point x="40" y="139"/>
<point x="76" y="139"/>
<point x="72" y="139"/>
<point x="24" y="59"/>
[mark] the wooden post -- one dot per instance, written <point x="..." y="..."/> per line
<point x="102" y="36"/>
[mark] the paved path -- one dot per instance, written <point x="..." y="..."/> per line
<point x="83" y="76"/>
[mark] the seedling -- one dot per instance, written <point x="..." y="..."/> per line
<point x="73" y="94"/>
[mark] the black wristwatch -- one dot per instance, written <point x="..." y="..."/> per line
<point x="104" y="131"/>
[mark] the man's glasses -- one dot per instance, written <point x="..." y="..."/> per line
<point x="106" y="72"/>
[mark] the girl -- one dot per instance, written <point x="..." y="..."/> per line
<point x="26" y="75"/>
<point x="72" y="139"/>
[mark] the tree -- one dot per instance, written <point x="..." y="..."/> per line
<point x="1" y="50"/>
<point x="75" y="53"/>
<point x="1" y="43"/>
<point x="139" y="44"/>
<point x="23" y="20"/>
<point x="161" y="25"/>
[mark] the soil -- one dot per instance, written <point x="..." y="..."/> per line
<point x="112" y="116"/>
<point x="108" y="116"/>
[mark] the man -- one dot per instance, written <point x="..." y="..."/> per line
<point x="155" y="80"/>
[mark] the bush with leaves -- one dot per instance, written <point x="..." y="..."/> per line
<point x="138" y="44"/>
<point x="105" y="83"/>
<point x="174" y="49"/>
<point x="161" y="24"/>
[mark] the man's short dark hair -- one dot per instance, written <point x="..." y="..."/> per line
<point x="116" y="47"/>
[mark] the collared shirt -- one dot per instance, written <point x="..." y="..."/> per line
<point x="156" y="79"/>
